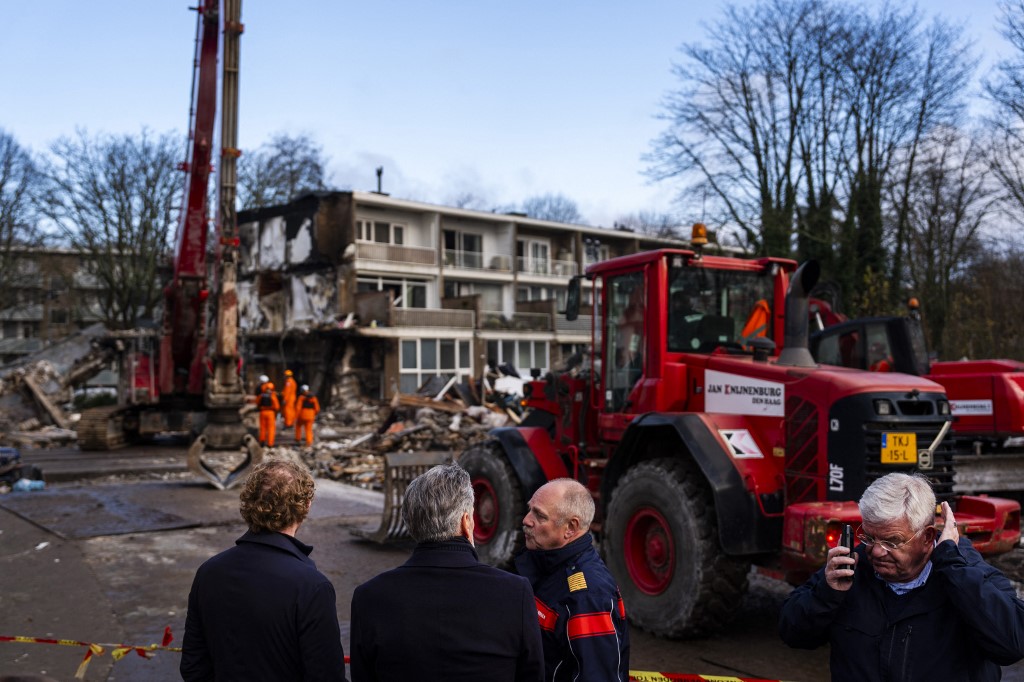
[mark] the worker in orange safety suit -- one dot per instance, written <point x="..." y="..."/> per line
<point x="288" y="398"/>
<point x="308" y="408"/>
<point x="269" y="406"/>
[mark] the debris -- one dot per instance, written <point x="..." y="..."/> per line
<point x="442" y="417"/>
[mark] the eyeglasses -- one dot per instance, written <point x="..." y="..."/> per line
<point x="870" y="542"/>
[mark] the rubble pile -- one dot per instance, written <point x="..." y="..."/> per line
<point x="411" y="423"/>
<point x="353" y="433"/>
<point x="30" y="412"/>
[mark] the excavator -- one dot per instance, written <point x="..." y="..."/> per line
<point x="187" y="375"/>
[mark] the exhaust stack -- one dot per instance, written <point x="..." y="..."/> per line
<point x="795" y="352"/>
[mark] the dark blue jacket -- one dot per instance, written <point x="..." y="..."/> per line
<point x="582" y="618"/>
<point x="962" y="624"/>
<point x="261" y="611"/>
<point x="443" y="615"/>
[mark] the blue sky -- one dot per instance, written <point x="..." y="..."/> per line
<point x="503" y="100"/>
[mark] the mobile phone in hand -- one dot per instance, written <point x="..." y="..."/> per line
<point x="846" y="538"/>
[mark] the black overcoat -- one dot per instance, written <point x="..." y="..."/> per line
<point x="443" y="615"/>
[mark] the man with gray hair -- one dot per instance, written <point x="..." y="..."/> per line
<point x="912" y="602"/>
<point x="443" y="615"/>
<point x="579" y="608"/>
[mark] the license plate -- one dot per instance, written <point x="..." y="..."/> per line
<point x="899" y="448"/>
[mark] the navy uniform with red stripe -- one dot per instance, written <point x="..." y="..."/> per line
<point x="581" y="614"/>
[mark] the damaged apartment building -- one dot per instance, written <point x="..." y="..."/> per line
<point x="359" y="288"/>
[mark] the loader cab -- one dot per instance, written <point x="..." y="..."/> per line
<point x="876" y="344"/>
<point x="710" y="309"/>
<point x="663" y="314"/>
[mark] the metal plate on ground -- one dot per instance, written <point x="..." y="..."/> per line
<point x="84" y="513"/>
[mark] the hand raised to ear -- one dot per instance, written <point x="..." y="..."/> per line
<point x="949" y="529"/>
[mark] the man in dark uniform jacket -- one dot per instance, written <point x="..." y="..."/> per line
<point x="443" y="615"/>
<point x="581" y="614"/>
<point x="261" y="610"/>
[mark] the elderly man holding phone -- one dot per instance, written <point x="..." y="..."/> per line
<point x="910" y="602"/>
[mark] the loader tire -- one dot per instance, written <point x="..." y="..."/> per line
<point x="498" y="507"/>
<point x="661" y="544"/>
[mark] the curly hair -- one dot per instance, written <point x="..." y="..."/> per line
<point x="277" y="494"/>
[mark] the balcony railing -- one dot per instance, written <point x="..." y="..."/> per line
<point x="581" y="325"/>
<point x="391" y="253"/>
<point x="546" y="267"/>
<point x="432" y="317"/>
<point x="491" y="319"/>
<point x="475" y="260"/>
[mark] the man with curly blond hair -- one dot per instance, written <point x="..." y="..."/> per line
<point x="261" y="610"/>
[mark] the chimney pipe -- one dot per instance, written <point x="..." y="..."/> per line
<point x="795" y="352"/>
<point x="380" y="174"/>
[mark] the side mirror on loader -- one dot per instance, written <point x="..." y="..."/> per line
<point x="572" y="299"/>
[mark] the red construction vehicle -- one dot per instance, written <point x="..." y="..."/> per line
<point x="986" y="396"/>
<point x="707" y="451"/>
<point x="179" y="380"/>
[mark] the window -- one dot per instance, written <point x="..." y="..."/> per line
<point x="381" y="232"/>
<point x="594" y="252"/>
<point x="521" y="354"/>
<point x="423" y="359"/>
<point x="625" y="332"/>
<point x="490" y="294"/>
<point x="405" y="293"/>
<point x="535" y="294"/>
<point x="58" y="317"/>
<point x="58" y="284"/>
<point x="463" y="249"/>
<point x="712" y="308"/>
<point x="534" y="256"/>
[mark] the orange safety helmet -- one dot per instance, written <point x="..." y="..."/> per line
<point x="269" y="386"/>
<point x="287" y="372"/>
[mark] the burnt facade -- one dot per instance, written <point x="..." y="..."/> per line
<point x="348" y="287"/>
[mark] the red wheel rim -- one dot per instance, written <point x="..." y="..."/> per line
<point x="485" y="511"/>
<point x="650" y="552"/>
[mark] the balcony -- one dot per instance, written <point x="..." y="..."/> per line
<point x="391" y="253"/>
<point x="475" y="260"/>
<point x="581" y="325"/>
<point x="432" y="317"/>
<point x="538" y="322"/>
<point x="546" y="267"/>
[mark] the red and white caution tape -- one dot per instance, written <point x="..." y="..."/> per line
<point x="117" y="651"/>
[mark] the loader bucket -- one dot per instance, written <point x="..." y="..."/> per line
<point x="198" y="466"/>
<point x="400" y="468"/>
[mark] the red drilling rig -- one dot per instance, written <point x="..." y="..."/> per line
<point x="188" y="377"/>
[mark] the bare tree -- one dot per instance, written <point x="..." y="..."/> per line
<point x="280" y="170"/>
<point x="902" y="82"/>
<point x="655" y="224"/>
<point x="732" y="125"/>
<point x="115" y="198"/>
<point x="799" y="119"/>
<point x="555" y="207"/>
<point x="19" y="182"/>
<point x="946" y="204"/>
<point x="1005" y="89"/>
